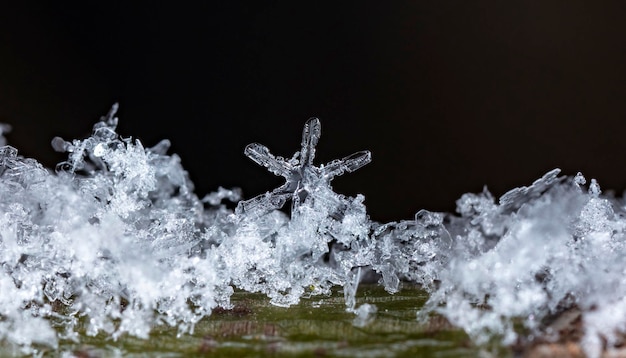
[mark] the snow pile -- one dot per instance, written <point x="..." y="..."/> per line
<point x="110" y="238"/>
<point x="539" y="251"/>
<point x="115" y="241"/>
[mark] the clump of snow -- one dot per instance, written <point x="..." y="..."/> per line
<point x="115" y="241"/>
<point x="538" y="251"/>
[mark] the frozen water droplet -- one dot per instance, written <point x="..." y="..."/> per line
<point x="60" y="145"/>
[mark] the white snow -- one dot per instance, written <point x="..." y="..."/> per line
<point x="116" y="236"/>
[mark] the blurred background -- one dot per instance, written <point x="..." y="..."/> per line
<point x="449" y="96"/>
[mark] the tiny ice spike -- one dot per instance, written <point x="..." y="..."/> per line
<point x="302" y="177"/>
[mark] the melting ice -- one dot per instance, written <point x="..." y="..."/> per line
<point x="115" y="237"/>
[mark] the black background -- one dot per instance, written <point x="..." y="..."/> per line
<point x="448" y="95"/>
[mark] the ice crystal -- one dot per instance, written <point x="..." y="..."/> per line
<point x="115" y="242"/>
<point x="302" y="177"/>
<point x="287" y="257"/>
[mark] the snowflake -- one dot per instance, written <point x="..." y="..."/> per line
<point x="302" y="177"/>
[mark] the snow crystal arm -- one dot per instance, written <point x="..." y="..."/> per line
<point x="161" y="148"/>
<point x="516" y="197"/>
<point x="310" y="136"/>
<point x="263" y="203"/>
<point x="350" y="163"/>
<point x="110" y="119"/>
<point x="262" y="156"/>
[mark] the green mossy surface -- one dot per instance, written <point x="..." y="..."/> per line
<point x="317" y="327"/>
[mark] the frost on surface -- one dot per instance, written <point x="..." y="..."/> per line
<point x="114" y="241"/>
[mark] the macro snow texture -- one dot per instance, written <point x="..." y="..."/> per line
<point x="115" y="241"/>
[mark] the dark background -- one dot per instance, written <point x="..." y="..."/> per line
<point x="448" y="95"/>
